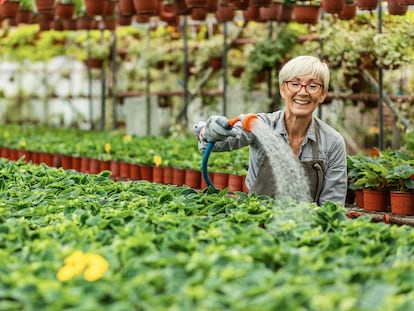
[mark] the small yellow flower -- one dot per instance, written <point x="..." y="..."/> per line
<point x="66" y="273"/>
<point x="76" y="257"/>
<point x="157" y="160"/>
<point x="6" y="134"/>
<point x="22" y="143"/>
<point x="108" y="148"/>
<point x="127" y="138"/>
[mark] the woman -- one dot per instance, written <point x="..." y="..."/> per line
<point x="303" y="84"/>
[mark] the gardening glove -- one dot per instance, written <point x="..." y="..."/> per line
<point x="217" y="128"/>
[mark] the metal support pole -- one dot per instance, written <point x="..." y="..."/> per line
<point x="380" y="87"/>
<point x="148" y="84"/>
<point x="103" y="80"/>
<point x="114" y="81"/>
<point x="224" y="61"/>
<point x="91" y="126"/>
<point x="185" y="82"/>
<point x="270" y="71"/>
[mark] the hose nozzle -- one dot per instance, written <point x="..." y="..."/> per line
<point x="247" y="121"/>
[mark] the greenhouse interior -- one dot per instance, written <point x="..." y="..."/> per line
<point x="154" y="155"/>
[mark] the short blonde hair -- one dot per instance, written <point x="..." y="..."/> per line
<point x="305" y="65"/>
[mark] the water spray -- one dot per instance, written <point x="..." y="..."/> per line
<point x="247" y="121"/>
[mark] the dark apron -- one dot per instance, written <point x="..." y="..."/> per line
<point x="265" y="181"/>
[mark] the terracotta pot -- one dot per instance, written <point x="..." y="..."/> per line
<point x="147" y="172"/>
<point x="24" y="16"/>
<point x="366" y="5"/>
<point x="348" y="11"/>
<point x="104" y="165"/>
<point x="168" y="175"/>
<point x="251" y="14"/>
<point x="44" y="20"/>
<point x="94" y="7"/>
<point x="9" y="9"/>
<point x="44" y="5"/>
<point x="198" y="14"/>
<point x="272" y="12"/>
<point x="84" y="23"/>
<point x="235" y="182"/>
<point x="260" y="3"/>
<point x="69" y="24"/>
<point x="124" y="20"/>
<point x="406" y="2"/>
<point x="239" y="4"/>
<point x="4" y="152"/>
<point x="114" y="168"/>
<point x="124" y="168"/>
<point x="109" y="8"/>
<point x="220" y="180"/>
<point x="394" y="8"/>
<point x="134" y="171"/>
<point x="64" y="10"/>
<point x="178" y="176"/>
<point x="35" y="157"/>
<point x="359" y="198"/>
<point x="167" y="14"/>
<point x="286" y="14"/>
<point x="146" y="7"/>
<point x="212" y="6"/>
<point x="333" y="6"/>
<point x="193" y="178"/>
<point x="402" y="203"/>
<point x="142" y="19"/>
<point x="76" y="163"/>
<point x="224" y="14"/>
<point x="305" y="14"/>
<point x="158" y="174"/>
<point x="181" y="8"/>
<point x="196" y="3"/>
<point x="126" y="7"/>
<point x="376" y="200"/>
<point x="94" y="166"/>
<point x="46" y="158"/>
<point x="84" y="164"/>
<point x="66" y="161"/>
<point x="13" y="155"/>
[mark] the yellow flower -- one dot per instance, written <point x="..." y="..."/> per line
<point x="66" y="273"/>
<point x="108" y="148"/>
<point x="127" y="138"/>
<point x="22" y="143"/>
<point x="92" y="266"/>
<point x="157" y="160"/>
<point x="6" y="134"/>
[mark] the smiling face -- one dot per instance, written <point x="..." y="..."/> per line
<point x="302" y="95"/>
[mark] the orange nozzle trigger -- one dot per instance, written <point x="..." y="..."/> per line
<point x="233" y="121"/>
<point x="248" y="121"/>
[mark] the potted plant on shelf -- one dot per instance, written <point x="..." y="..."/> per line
<point x="400" y="179"/>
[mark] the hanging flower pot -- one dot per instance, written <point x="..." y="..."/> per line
<point x="333" y="6"/>
<point x="272" y="12"/>
<point x="238" y="4"/>
<point x="64" y="10"/>
<point x="124" y="20"/>
<point x="44" y="20"/>
<point x="251" y="14"/>
<point x="9" y="9"/>
<point x="198" y="14"/>
<point x="260" y="3"/>
<point x="394" y="8"/>
<point x="24" y="16"/>
<point x="109" y="8"/>
<point x="94" y="7"/>
<point x="367" y="5"/>
<point x="196" y="3"/>
<point x="224" y="14"/>
<point x="348" y="11"/>
<point x="168" y="15"/>
<point x="286" y="13"/>
<point x="212" y="6"/>
<point x="146" y="7"/>
<point x="406" y="2"/>
<point x="44" y="5"/>
<point x="376" y="200"/>
<point x="181" y="8"/>
<point x="306" y="14"/>
<point x="402" y="203"/>
<point x="69" y="24"/>
<point x="84" y="23"/>
<point x="126" y="7"/>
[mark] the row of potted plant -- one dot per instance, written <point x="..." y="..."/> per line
<point x="384" y="183"/>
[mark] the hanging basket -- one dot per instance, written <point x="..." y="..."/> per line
<point x="196" y="3"/>
<point x="333" y="6"/>
<point x="306" y="14"/>
<point x="394" y="8"/>
<point x="348" y="11"/>
<point x="272" y="12"/>
<point x="238" y="4"/>
<point x="224" y="14"/>
<point x="146" y="7"/>
<point x="367" y="5"/>
<point x="126" y="7"/>
<point x="94" y="7"/>
<point x="9" y="9"/>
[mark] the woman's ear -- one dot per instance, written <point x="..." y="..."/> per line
<point x="282" y="91"/>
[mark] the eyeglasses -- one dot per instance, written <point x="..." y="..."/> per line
<point x="310" y="88"/>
